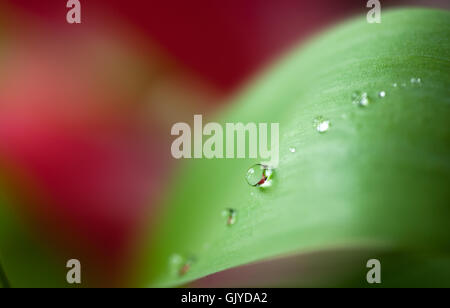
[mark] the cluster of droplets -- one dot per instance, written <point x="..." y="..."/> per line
<point x="413" y="81"/>
<point x="260" y="175"/>
<point x="360" y="99"/>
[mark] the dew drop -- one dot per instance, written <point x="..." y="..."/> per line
<point x="292" y="150"/>
<point x="321" y="124"/>
<point x="382" y="94"/>
<point x="179" y="265"/>
<point x="415" y="80"/>
<point x="186" y="266"/>
<point x="230" y="215"/>
<point x="259" y="175"/>
<point x="184" y="269"/>
<point x="361" y="99"/>
<point x="175" y="263"/>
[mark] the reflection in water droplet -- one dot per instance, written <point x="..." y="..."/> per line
<point x="382" y="94"/>
<point x="230" y="215"/>
<point x="259" y="175"/>
<point x="321" y="124"/>
<point x="185" y="268"/>
<point x="292" y="150"/>
<point x="360" y="99"/>
<point x="179" y="266"/>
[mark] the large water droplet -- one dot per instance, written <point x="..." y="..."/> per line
<point x="321" y="124"/>
<point x="360" y="99"/>
<point x="230" y="215"/>
<point x="259" y="175"/>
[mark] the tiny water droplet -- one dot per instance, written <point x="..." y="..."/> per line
<point x="361" y="99"/>
<point x="184" y="269"/>
<point x="179" y="265"/>
<point x="259" y="175"/>
<point x="382" y="94"/>
<point x="292" y="150"/>
<point x="321" y="124"/>
<point x="395" y="85"/>
<point x="230" y="215"/>
<point x="415" y="80"/>
<point x="186" y="266"/>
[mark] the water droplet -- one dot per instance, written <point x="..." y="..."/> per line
<point x="321" y="124"/>
<point x="175" y="262"/>
<point x="395" y="85"/>
<point x="184" y="269"/>
<point x="360" y="99"/>
<point x="292" y="150"/>
<point x="259" y="175"/>
<point x="382" y="94"/>
<point x="415" y="80"/>
<point x="230" y="215"/>
<point x="179" y="266"/>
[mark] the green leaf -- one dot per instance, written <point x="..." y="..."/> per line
<point x="378" y="178"/>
